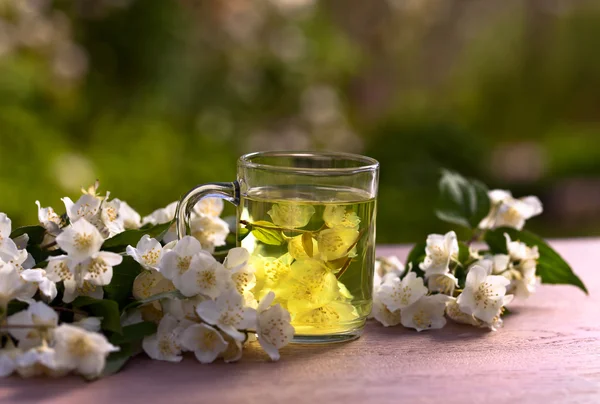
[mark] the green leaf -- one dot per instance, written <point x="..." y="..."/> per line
<point x="496" y="241"/>
<point x="307" y="244"/>
<point x="463" y="202"/>
<point x="266" y="233"/>
<point x="552" y="268"/>
<point x="119" y="242"/>
<point x="107" y="309"/>
<point x="133" y="333"/>
<point x="116" y="360"/>
<point x="175" y="294"/>
<point x="35" y="233"/>
<point x="463" y="253"/>
<point x="41" y="255"/>
<point x="415" y="257"/>
<point x="121" y="285"/>
<point x="15" y="306"/>
<point x="242" y="233"/>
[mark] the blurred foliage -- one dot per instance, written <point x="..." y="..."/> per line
<point x="153" y="97"/>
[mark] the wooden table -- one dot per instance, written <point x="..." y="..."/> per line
<point x="547" y="352"/>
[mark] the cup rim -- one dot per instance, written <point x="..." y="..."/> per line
<point x="365" y="163"/>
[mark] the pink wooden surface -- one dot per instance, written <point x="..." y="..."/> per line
<point x="548" y="352"/>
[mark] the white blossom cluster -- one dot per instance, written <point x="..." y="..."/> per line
<point x="213" y="315"/>
<point x="218" y="313"/>
<point x="47" y="348"/>
<point x="205" y="223"/>
<point x="44" y="346"/>
<point x="424" y="302"/>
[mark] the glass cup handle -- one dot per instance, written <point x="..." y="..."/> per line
<point x="230" y="191"/>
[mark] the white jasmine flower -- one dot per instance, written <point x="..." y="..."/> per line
<point x="164" y="345"/>
<point x="495" y="264"/>
<point x="507" y="211"/>
<point x="205" y="276"/>
<point x="80" y="241"/>
<point x="176" y="262"/>
<point x="242" y="273"/>
<point x="8" y="248"/>
<point x="522" y="273"/>
<point x="87" y="207"/>
<point x="426" y="313"/>
<point x="49" y="219"/>
<point x="131" y="219"/>
<point x="12" y="286"/>
<point x="290" y="214"/>
<point x="110" y="217"/>
<point x="336" y="243"/>
<point x="148" y="252"/>
<point x="74" y="290"/>
<point x="38" y="277"/>
<point x="8" y="358"/>
<point x="170" y="245"/>
<point x="85" y="278"/>
<point x="236" y="258"/>
<point x="440" y="250"/>
<point x="40" y="361"/>
<point x="228" y="313"/>
<point x="150" y="283"/>
<point x="443" y="283"/>
<point x="22" y="260"/>
<point x="183" y="308"/>
<point x="210" y="206"/>
<point x="92" y="190"/>
<point x="60" y="268"/>
<point x="297" y="251"/>
<point x="21" y="241"/>
<point x="273" y="326"/>
<point x="98" y="269"/>
<point x="387" y="267"/>
<point x="233" y="352"/>
<point x="210" y="231"/>
<point x="37" y="314"/>
<point x="519" y="251"/>
<point x="523" y="279"/>
<point x="396" y="294"/>
<point x="206" y="342"/>
<point x="81" y="350"/>
<point x="525" y="286"/>
<point x="337" y="216"/>
<point x="161" y="216"/>
<point x="382" y="314"/>
<point x="495" y="325"/>
<point x="484" y="294"/>
<point x="454" y="312"/>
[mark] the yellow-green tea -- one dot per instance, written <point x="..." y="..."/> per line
<point x="314" y="247"/>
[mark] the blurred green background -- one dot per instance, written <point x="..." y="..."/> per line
<point x="154" y="96"/>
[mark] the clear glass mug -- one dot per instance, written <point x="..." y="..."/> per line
<point x="308" y="220"/>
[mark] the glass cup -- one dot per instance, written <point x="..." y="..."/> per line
<point x="308" y="221"/>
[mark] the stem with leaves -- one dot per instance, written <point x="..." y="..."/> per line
<point x="260" y="226"/>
